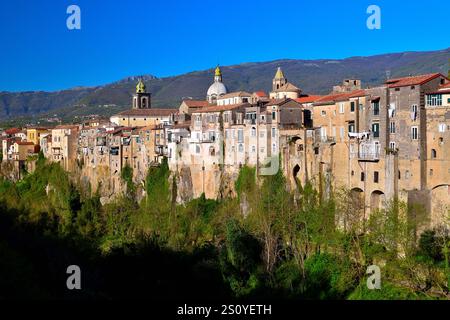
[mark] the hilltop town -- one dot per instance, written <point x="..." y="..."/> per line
<point x="381" y="143"/>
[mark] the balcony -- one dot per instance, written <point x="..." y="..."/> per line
<point x="369" y="151"/>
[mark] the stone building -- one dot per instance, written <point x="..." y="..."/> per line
<point x="64" y="146"/>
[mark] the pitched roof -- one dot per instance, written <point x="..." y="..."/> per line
<point x="340" y="96"/>
<point x="196" y="103"/>
<point x="66" y="126"/>
<point x="260" y="94"/>
<point x="12" y="131"/>
<point x="147" y="112"/>
<point x="222" y="108"/>
<point x="308" y="99"/>
<point x="412" y="80"/>
<point x="288" y="87"/>
<point x="235" y="94"/>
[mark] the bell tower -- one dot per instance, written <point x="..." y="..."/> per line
<point x="142" y="98"/>
<point x="279" y="80"/>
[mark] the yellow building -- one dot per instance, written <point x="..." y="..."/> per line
<point x="34" y="134"/>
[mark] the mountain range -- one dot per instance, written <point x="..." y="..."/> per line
<point x="312" y="76"/>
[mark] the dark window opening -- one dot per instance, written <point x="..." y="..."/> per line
<point x="433" y="153"/>
<point x="363" y="176"/>
<point x="375" y="177"/>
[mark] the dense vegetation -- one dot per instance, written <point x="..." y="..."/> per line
<point x="264" y="243"/>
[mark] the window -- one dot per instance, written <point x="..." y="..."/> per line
<point x="263" y="117"/>
<point x="442" y="127"/>
<point x="323" y="113"/>
<point x="363" y="176"/>
<point x="240" y="136"/>
<point x="407" y="174"/>
<point x="274" y="115"/>
<point x="197" y="149"/>
<point x="253" y="132"/>
<point x="352" y="106"/>
<point x="274" y="147"/>
<point x="397" y="89"/>
<point x="273" y="132"/>
<point x="341" y="107"/>
<point x="433" y="154"/>
<point x="253" y="148"/>
<point x="434" y="100"/>
<point x="341" y="132"/>
<point x="392" y="127"/>
<point x="376" y="130"/>
<point x="241" y="147"/>
<point x="431" y="172"/>
<point x="375" y="177"/>
<point x="392" y="145"/>
<point x="351" y="127"/>
<point x="376" y="108"/>
<point x="414" y="133"/>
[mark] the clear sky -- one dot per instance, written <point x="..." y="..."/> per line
<point x="132" y="37"/>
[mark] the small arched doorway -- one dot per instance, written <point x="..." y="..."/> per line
<point x="377" y="200"/>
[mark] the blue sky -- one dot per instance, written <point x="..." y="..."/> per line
<point x="170" y="37"/>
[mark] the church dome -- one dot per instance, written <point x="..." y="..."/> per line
<point x="217" y="89"/>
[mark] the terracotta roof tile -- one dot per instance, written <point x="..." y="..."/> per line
<point x="308" y="99"/>
<point x="260" y="94"/>
<point x="196" y="103"/>
<point x="412" y="80"/>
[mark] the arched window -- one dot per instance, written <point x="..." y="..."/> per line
<point x="433" y="154"/>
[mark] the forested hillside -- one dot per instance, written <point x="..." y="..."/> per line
<point x="288" y="245"/>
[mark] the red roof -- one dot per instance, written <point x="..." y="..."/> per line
<point x="260" y="94"/>
<point x="445" y="86"/>
<point x="307" y="99"/>
<point x="12" y="131"/>
<point x="340" y="96"/>
<point x="412" y="80"/>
